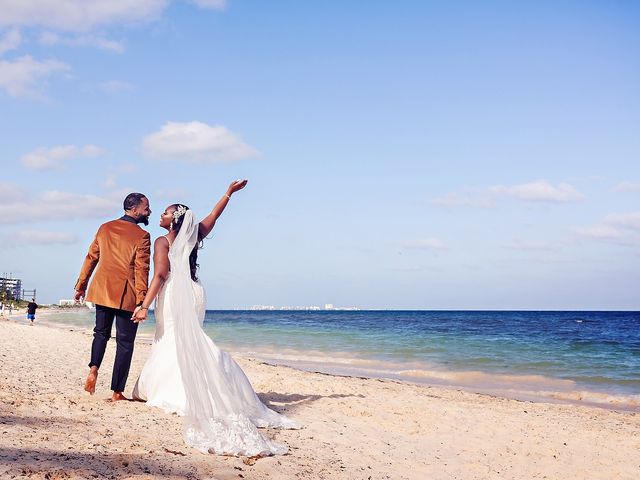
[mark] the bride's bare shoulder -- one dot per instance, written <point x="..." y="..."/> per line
<point x="161" y="242"/>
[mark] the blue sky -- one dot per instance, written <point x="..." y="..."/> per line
<point x="473" y="155"/>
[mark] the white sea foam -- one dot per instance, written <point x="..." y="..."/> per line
<point x="520" y="387"/>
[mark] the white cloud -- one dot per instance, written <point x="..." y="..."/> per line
<point x="24" y="77"/>
<point x="78" y="15"/>
<point x="453" y="199"/>
<point x="127" y="168"/>
<point x="11" y="193"/>
<point x="173" y="195"/>
<point x="539" y="191"/>
<point x="196" y="142"/>
<point x="98" y="42"/>
<point x="600" y="232"/>
<point x="50" y="38"/>
<point x="530" y="245"/>
<point x="627" y="187"/>
<point x="10" y="40"/>
<point x="54" y="157"/>
<point x="110" y="181"/>
<point x="424" y="244"/>
<point x="35" y="237"/>
<point x="617" y="228"/>
<point x="114" y="86"/>
<point x="415" y="268"/>
<point x="536" y="191"/>
<point x="91" y="151"/>
<point x="54" y="205"/>
<point x="82" y="23"/>
<point x="217" y="4"/>
<point x="629" y="220"/>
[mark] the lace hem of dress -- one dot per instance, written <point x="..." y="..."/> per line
<point x="234" y="434"/>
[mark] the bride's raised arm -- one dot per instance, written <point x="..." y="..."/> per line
<point x="161" y="248"/>
<point x="208" y="222"/>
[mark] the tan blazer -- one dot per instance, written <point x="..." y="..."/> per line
<point x="121" y="250"/>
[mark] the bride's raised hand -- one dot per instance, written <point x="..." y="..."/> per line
<point x="237" y="185"/>
<point x="208" y="222"/>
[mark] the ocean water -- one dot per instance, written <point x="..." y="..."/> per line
<point x="589" y="357"/>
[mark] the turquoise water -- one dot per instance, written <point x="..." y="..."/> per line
<point x="586" y="356"/>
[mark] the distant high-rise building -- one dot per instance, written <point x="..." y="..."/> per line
<point x="12" y="286"/>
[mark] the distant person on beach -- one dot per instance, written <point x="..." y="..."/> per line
<point x="120" y="254"/>
<point x="186" y="373"/>
<point x="32" y="306"/>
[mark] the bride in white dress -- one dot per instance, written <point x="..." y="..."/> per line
<point x="186" y="373"/>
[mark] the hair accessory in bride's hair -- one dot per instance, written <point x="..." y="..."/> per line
<point x="180" y="211"/>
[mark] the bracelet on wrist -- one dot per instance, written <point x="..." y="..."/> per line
<point x="228" y="196"/>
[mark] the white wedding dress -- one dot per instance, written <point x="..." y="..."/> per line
<point x="187" y="374"/>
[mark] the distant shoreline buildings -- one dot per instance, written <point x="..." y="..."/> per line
<point x="327" y="306"/>
<point x="70" y="302"/>
<point x="11" y="286"/>
<point x="11" y="289"/>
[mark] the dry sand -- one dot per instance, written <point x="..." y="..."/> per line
<point x="355" y="428"/>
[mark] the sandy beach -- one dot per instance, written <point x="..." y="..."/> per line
<point x="354" y="428"/>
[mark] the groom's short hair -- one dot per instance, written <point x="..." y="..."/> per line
<point x="132" y="200"/>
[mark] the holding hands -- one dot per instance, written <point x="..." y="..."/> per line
<point x="139" y="314"/>
<point x="79" y="296"/>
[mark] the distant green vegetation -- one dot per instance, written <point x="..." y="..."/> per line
<point x="8" y="299"/>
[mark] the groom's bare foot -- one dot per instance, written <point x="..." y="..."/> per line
<point x="116" y="397"/>
<point x="92" y="378"/>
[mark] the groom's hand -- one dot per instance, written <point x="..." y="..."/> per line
<point x="79" y="296"/>
<point x="139" y="315"/>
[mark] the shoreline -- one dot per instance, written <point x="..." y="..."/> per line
<point x="514" y="386"/>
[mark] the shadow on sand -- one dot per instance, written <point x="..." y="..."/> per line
<point x="21" y="462"/>
<point x="36" y="421"/>
<point x="288" y="403"/>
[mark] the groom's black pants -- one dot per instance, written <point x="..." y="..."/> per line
<point x="125" y="337"/>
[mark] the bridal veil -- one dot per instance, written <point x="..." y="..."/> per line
<point x="222" y="410"/>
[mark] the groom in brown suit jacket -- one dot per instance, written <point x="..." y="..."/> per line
<point x="121" y="251"/>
